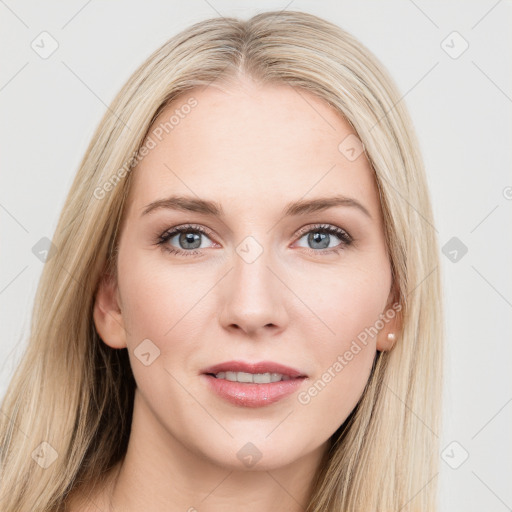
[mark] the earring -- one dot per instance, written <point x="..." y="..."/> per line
<point x="392" y="337"/>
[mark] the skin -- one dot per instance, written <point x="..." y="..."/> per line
<point x="253" y="149"/>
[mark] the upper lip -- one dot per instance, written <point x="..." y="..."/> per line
<point x="259" y="367"/>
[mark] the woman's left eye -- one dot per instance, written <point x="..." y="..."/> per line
<point x="320" y="236"/>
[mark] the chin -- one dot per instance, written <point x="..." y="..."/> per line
<point x="259" y="454"/>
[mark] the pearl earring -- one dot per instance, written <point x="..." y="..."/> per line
<point x="392" y="337"/>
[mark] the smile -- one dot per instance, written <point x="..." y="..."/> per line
<point x="252" y="384"/>
<point x="256" y="378"/>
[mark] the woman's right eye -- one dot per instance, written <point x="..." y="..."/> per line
<point x="188" y="237"/>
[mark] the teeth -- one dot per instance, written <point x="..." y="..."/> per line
<point x="257" y="378"/>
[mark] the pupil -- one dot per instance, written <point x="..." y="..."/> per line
<point x="189" y="238"/>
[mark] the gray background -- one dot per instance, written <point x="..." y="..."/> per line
<point x="460" y="104"/>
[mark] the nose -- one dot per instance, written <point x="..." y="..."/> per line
<point x="254" y="298"/>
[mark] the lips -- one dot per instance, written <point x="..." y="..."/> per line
<point x="252" y="384"/>
<point x="260" y="367"/>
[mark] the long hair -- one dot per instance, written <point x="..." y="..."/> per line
<point x="67" y="412"/>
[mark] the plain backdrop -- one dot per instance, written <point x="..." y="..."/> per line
<point x="450" y="60"/>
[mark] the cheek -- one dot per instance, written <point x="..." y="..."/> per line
<point x="164" y="303"/>
<point x="344" y="352"/>
<point x="150" y="304"/>
<point x="154" y="294"/>
<point x="160" y="304"/>
<point x="345" y="302"/>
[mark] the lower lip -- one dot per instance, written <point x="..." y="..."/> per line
<point x="253" y="395"/>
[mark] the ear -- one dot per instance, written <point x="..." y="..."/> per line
<point x="107" y="314"/>
<point x="392" y="318"/>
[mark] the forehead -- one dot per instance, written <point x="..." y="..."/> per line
<point x="242" y="142"/>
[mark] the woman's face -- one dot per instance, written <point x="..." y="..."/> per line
<point x="265" y="279"/>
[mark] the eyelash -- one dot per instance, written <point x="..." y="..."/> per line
<point x="345" y="238"/>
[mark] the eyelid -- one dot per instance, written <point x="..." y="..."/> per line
<point x="322" y="226"/>
<point x="188" y="227"/>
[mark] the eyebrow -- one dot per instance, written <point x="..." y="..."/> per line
<point x="296" y="208"/>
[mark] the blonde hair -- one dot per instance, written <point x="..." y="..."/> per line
<point x="75" y="393"/>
